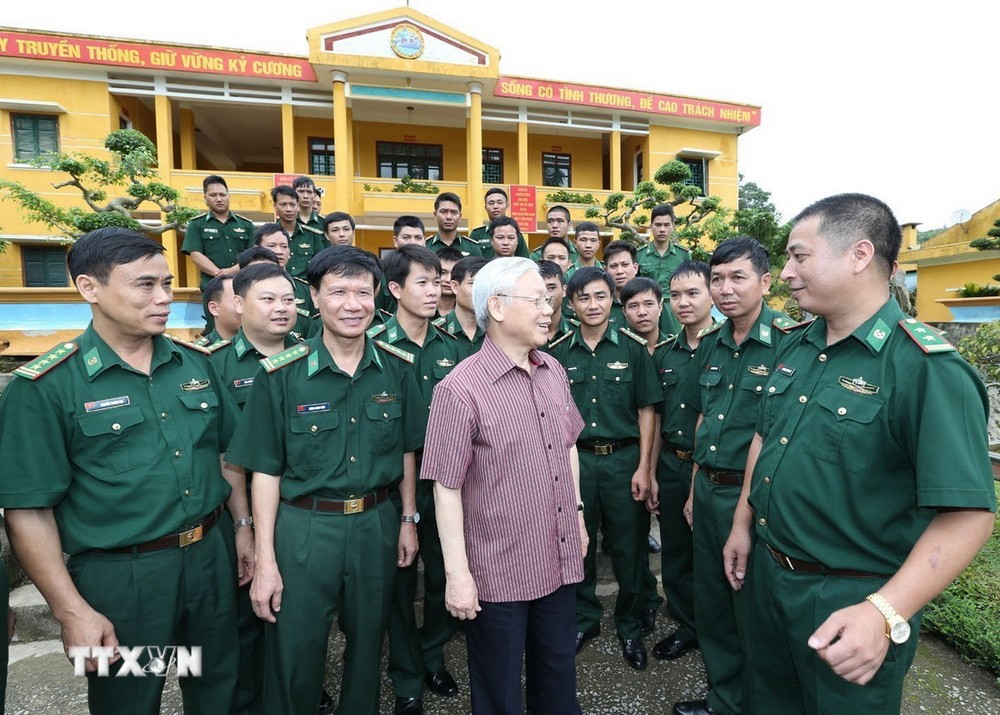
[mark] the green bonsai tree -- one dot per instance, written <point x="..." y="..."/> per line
<point x="989" y="242"/>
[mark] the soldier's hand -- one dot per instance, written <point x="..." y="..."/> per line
<point x="640" y="485"/>
<point x="852" y="642"/>
<point x="461" y="597"/>
<point x="689" y="511"/>
<point x="89" y="628"/>
<point x="266" y="590"/>
<point x="584" y="537"/>
<point x="735" y="555"/>
<point x="245" y="555"/>
<point x="653" y="500"/>
<point x="407" y="545"/>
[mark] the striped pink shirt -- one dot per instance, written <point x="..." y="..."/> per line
<point x="503" y="436"/>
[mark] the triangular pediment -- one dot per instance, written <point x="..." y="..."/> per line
<point x="402" y="39"/>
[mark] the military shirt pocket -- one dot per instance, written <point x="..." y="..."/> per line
<point x="387" y="422"/>
<point x="752" y="387"/>
<point x="846" y="421"/>
<point x="310" y="443"/>
<point x="441" y="372"/>
<point x="201" y="416"/>
<point x="668" y="379"/>
<point x="709" y="379"/>
<point x="113" y="441"/>
<point x="618" y="386"/>
<point x="577" y="377"/>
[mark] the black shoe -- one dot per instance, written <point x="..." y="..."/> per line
<point x="693" y="707"/>
<point x="648" y="621"/>
<point x="672" y="647"/>
<point x="409" y="705"/>
<point x="441" y="684"/>
<point x="634" y="652"/>
<point x="654" y="546"/>
<point x="582" y="638"/>
<point x="326" y="704"/>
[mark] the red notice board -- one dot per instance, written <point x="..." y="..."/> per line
<point x="523" y="207"/>
<point x="285" y="179"/>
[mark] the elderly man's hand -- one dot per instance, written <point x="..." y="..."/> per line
<point x="461" y="598"/>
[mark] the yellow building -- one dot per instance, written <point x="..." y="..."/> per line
<point x="377" y="98"/>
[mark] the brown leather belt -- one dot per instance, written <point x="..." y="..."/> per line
<point x="724" y="477"/>
<point x="790" y="564"/>
<point x="605" y="448"/>
<point x="685" y="455"/>
<point x="340" y="506"/>
<point x="170" y="541"/>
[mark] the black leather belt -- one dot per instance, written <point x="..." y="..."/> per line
<point x="171" y="541"/>
<point x="685" y="455"/>
<point x="340" y="506"/>
<point x="605" y="448"/>
<point x="724" y="477"/>
<point x="790" y="564"/>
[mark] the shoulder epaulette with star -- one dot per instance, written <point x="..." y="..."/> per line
<point x="929" y="340"/>
<point x="670" y="339"/>
<point x="711" y="328"/>
<point x="795" y="326"/>
<point x="43" y="363"/>
<point x="201" y="342"/>
<point x="218" y="345"/>
<point x="285" y="357"/>
<point x="384" y="314"/>
<point x="443" y="330"/>
<point x="201" y="215"/>
<point x="375" y="330"/>
<point x="188" y="344"/>
<point x="303" y="312"/>
<point x="560" y="339"/>
<point x="307" y="227"/>
<point x="300" y="280"/>
<point x="241" y="217"/>
<point x="783" y="323"/>
<point x="635" y="336"/>
<point x="393" y="350"/>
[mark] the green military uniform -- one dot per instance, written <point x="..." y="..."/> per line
<point x="732" y="379"/>
<point x="576" y="266"/>
<point x="304" y="243"/>
<point x="315" y="221"/>
<point x="303" y="296"/>
<point x="130" y="458"/>
<point x="209" y="338"/>
<point x="661" y="269"/>
<point x="221" y="242"/>
<point x="238" y="361"/>
<point x="463" y="244"/>
<point x="565" y="327"/>
<point x="863" y="441"/>
<point x="330" y="436"/>
<point x="465" y="346"/>
<point x="609" y="386"/>
<point x="413" y="653"/>
<point x="484" y="237"/>
<point x="617" y="317"/>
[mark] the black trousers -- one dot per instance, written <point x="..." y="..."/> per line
<point x="540" y="635"/>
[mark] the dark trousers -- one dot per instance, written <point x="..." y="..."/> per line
<point x="540" y="634"/>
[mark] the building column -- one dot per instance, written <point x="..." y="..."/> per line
<point x="522" y="145"/>
<point x="189" y="147"/>
<point x="341" y="145"/>
<point x="474" y="144"/>
<point x="288" y="138"/>
<point x="165" y="166"/>
<point x="615" y="156"/>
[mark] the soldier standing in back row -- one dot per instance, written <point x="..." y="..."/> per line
<point x="214" y="239"/>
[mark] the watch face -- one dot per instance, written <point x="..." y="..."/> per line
<point x="900" y="632"/>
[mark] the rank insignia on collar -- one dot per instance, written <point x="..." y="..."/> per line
<point x="446" y="363"/>
<point x="383" y="398"/>
<point x="618" y="365"/>
<point x="858" y="384"/>
<point x="195" y="384"/>
<point x="759" y="370"/>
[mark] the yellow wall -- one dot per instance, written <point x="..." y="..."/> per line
<point x="586" y="164"/>
<point x="934" y="282"/>
<point x="452" y="140"/>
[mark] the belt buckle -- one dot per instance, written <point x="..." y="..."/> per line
<point x="711" y="476"/>
<point x="354" y="506"/>
<point x="603" y="449"/>
<point x="684" y="454"/>
<point x="781" y="559"/>
<point x="191" y="536"/>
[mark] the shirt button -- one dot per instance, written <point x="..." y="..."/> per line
<point x="562" y="540"/>
<point x="204" y="405"/>
<point x="730" y="386"/>
<point x="759" y="388"/>
<point x="711" y="448"/>
<point x="593" y="377"/>
<point x="736" y="354"/>
<point x="822" y="357"/>
<point x="762" y="521"/>
<point x="163" y="415"/>
<point x="543" y="414"/>
<point x="767" y="480"/>
<point x="177" y="453"/>
<point x="353" y="420"/>
<point x="803" y="398"/>
<point x="313" y="428"/>
<point x="550" y="446"/>
<point x="353" y="459"/>
<point x="187" y="492"/>
<point x="783" y="440"/>
<point x="841" y="410"/>
<point x="116" y="426"/>
<point x="385" y="415"/>
<point x="593" y="424"/>
<point x="683" y="405"/>
<point x="770" y="389"/>
<point x="560" y="510"/>
<point x="618" y="379"/>
<point x="680" y="432"/>
<point x="426" y="378"/>
<point x="722" y="417"/>
<point x="594" y="400"/>
<point x="557" y="479"/>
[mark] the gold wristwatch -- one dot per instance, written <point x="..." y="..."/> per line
<point x="896" y="627"/>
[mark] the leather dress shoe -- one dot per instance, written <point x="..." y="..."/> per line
<point x="634" y="652"/>
<point x="326" y="704"/>
<point x="648" y="621"/>
<point x="582" y="637"/>
<point x="672" y="647"/>
<point x="654" y="546"/>
<point x="441" y="684"/>
<point x="409" y="705"/>
<point x="693" y="707"/>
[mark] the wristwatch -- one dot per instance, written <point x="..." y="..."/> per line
<point x="410" y="519"/>
<point x="896" y="628"/>
<point x="240" y="523"/>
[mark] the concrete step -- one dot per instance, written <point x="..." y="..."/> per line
<point x="34" y="619"/>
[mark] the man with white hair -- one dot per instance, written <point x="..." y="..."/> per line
<point x="500" y="419"/>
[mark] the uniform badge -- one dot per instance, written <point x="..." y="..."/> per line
<point x="785" y="370"/>
<point x="446" y="363"/>
<point x="300" y="301"/>
<point x="195" y="384"/>
<point x="713" y="368"/>
<point x="244" y="382"/>
<point x="618" y="365"/>
<point x="384" y="398"/>
<point x="106" y="404"/>
<point x="858" y="384"/>
<point x="759" y="370"/>
<point x="305" y="246"/>
<point x="666" y="371"/>
<point x="313" y="408"/>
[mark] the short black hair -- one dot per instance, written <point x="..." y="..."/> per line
<point x="449" y="253"/>
<point x="692" y="267"/>
<point x="398" y="264"/>
<point x="256" y="273"/>
<point x="406" y="222"/>
<point x="586" y="275"/>
<point x="267" y="229"/>
<point x="559" y="209"/>
<point x="337" y="217"/>
<point x="468" y="266"/>
<point x="301" y="181"/>
<point x="640" y="284"/>
<point x="97" y="252"/>
<point x="496" y="190"/>
<point x="733" y="249"/>
<point x="551" y="269"/>
<point x="256" y="253"/>
<point x="347" y="261"/>
<point x="213" y="290"/>
<point x="587" y="226"/>
<point x="503" y="221"/>
<point x="559" y="241"/>
<point x="448" y="196"/>
<point x="283" y="190"/>
<point x="846" y="218"/>
<point x="213" y="179"/>
<point x="662" y="210"/>
<point x="618" y="247"/>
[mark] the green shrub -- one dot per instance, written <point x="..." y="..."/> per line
<point x="407" y="185"/>
<point x="974" y="290"/>
<point x="568" y="197"/>
<point x="982" y="350"/>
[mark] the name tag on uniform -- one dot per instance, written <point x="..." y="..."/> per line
<point x="245" y="382"/>
<point x="666" y="371"/>
<point x="106" y="404"/>
<point x="210" y="230"/>
<point x="713" y="368"/>
<point x="785" y="370"/>
<point x="314" y="407"/>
